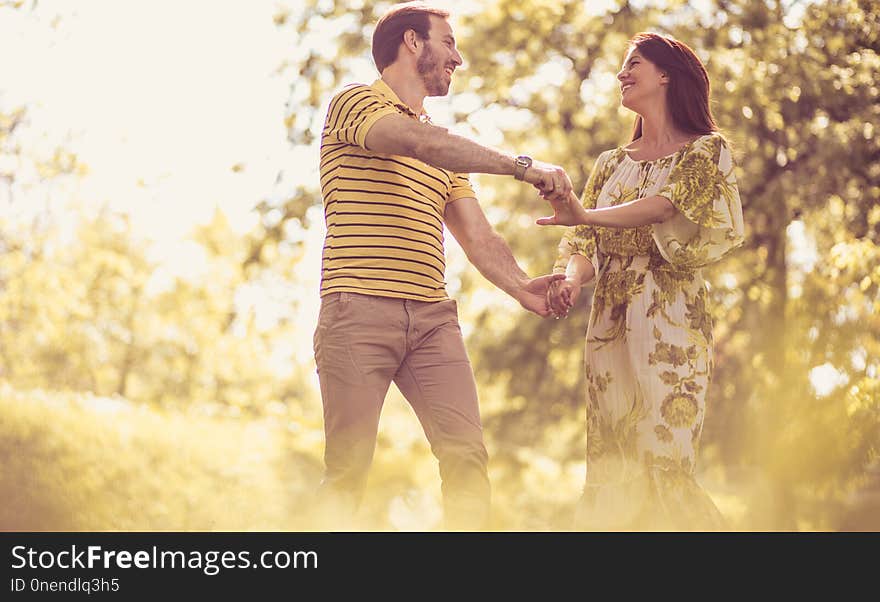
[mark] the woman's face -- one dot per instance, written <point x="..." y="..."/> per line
<point x="642" y="84"/>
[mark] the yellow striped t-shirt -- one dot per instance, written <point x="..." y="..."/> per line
<point x="384" y="213"/>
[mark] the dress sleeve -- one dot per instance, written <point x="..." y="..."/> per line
<point x="352" y="113"/>
<point x="582" y="240"/>
<point x="709" y="222"/>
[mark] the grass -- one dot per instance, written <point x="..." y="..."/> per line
<point x="75" y="462"/>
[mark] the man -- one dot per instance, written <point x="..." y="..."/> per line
<point x="390" y="181"/>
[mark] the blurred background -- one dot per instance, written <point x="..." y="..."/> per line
<point x="161" y="232"/>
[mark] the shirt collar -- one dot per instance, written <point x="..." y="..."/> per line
<point x="384" y="89"/>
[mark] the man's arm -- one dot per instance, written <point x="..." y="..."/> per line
<point x="491" y="255"/>
<point x="400" y="135"/>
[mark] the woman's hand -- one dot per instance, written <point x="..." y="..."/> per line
<point x="566" y="212"/>
<point x="562" y="295"/>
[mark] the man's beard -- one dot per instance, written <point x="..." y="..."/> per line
<point x="432" y="75"/>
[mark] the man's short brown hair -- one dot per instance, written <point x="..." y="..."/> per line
<point x="389" y="31"/>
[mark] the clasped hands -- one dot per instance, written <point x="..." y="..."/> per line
<point x="554" y="186"/>
<point x="551" y="181"/>
<point x="562" y="295"/>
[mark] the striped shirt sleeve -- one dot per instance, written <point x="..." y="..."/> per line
<point x="352" y="113"/>
<point x="461" y="188"/>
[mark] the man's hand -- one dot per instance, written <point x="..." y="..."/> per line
<point x="562" y="295"/>
<point x="566" y="212"/>
<point x="532" y="295"/>
<point x="550" y="180"/>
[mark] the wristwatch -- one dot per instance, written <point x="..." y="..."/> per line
<point x="520" y="165"/>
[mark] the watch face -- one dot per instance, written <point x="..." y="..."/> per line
<point x="522" y="163"/>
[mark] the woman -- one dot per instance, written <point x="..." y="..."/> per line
<point x="653" y="213"/>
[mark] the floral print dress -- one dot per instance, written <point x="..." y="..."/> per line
<point x="648" y="351"/>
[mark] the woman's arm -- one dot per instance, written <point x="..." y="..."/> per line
<point x="640" y="212"/>
<point x="563" y="294"/>
<point x="579" y="270"/>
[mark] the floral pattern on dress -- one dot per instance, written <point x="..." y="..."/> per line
<point x="648" y="352"/>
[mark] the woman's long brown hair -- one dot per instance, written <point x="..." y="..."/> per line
<point x="688" y="90"/>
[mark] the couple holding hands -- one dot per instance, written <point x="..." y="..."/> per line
<point x="653" y="213"/>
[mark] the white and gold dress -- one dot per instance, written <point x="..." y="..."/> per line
<point x="648" y="351"/>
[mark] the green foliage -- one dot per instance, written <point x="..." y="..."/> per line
<point x="93" y="313"/>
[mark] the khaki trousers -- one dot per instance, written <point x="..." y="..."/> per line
<point x="362" y="344"/>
